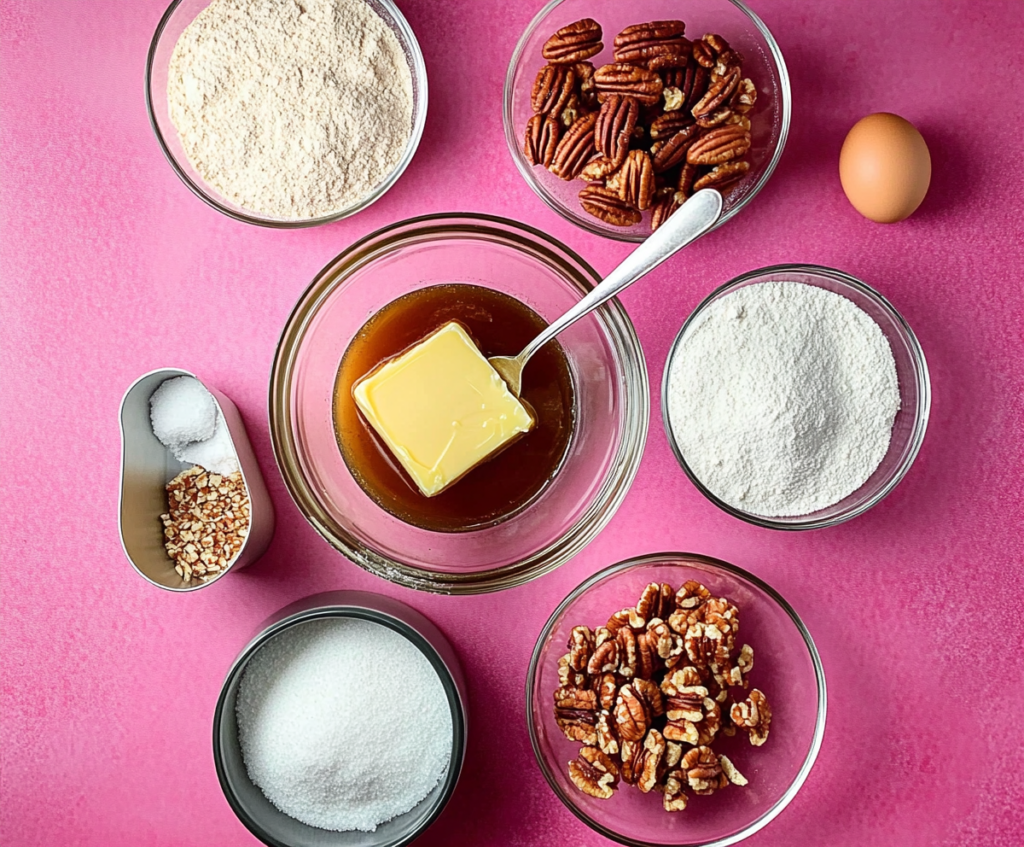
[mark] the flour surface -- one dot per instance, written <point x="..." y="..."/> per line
<point x="782" y="398"/>
<point x="291" y="109"/>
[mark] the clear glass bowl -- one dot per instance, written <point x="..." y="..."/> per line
<point x="911" y="370"/>
<point x="177" y="17"/>
<point x="786" y="667"/>
<point x="607" y="364"/>
<point x="744" y="31"/>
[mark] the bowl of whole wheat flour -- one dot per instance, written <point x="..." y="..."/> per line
<point x="285" y="113"/>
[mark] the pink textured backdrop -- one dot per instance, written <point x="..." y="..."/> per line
<point x="110" y="268"/>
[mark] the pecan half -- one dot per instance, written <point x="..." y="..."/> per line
<point x="663" y="209"/>
<point x="614" y="129"/>
<point x="607" y="689"/>
<point x="574" y="42"/>
<point x="632" y="714"/>
<point x="668" y="643"/>
<point x="744" y="98"/>
<point x="687" y="174"/>
<point x="607" y="740"/>
<point x="576" y="714"/>
<point x="718" y="145"/>
<point x="574" y="148"/>
<point x="703" y="54"/>
<point x="668" y="153"/>
<point x="718" y="94"/>
<point x="753" y="715"/>
<point x="715" y="118"/>
<point x="542" y="133"/>
<point x="674" y="799"/>
<point x="636" y="82"/>
<point x="744" y="665"/>
<point x="694" y="84"/>
<point x="650" y="761"/>
<point x="594" y="773"/>
<point x="640" y="43"/>
<point x="618" y="620"/>
<point x="646" y="656"/>
<point x="636" y="187"/>
<point x="668" y="124"/>
<point x="552" y="89"/>
<point x="605" y="658"/>
<point x="692" y="595"/>
<point x="597" y="169"/>
<point x="703" y="772"/>
<point x="567" y="677"/>
<point x="729" y="769"/>
<point x="722" y="176"/>
<point x="626" y="639"/>
<point x="656" y="601"/>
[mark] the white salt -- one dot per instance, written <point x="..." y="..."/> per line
<point x="181" y="411"/>
<point x="187" y="420"/>
<point x="343" y="724"/>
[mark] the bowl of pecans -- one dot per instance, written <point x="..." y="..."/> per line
<point x="657" y="719"/>
<point x="616" y="113"/>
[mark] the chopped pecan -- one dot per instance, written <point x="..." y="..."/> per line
<point x="636" y="187"/>
<point x="542" y="133"/>
<point x="552" y="89"/>
<point x="718" y="145"/>
<point x="753" y="715"/>
<point x="668" y="153"/>
<point x="639" y="43"/>
<point x="572" y="112"/>
<point x="594" y="773"/>
<point x="575" y="148"/>
<point x="673" y="98"/>
<point x="581" y="647"/>
<point x="744" y="98"/>
<point x="614" y="128"/>
<point x="630" y="80"/>
<point x="718" y="94"/>
<point x="703" y="772"/>
<point x="729" y="769"/>
<point x="632" y="714"/>
<point x="605" y="658"/>
<point x="573" y="43"/>
<point x="674" y="798"/>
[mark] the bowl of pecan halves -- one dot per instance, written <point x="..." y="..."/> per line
<point x="615" y="113"/>
<point x="658" y="719"/>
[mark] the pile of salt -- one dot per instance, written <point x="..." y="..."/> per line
<point x="187" y="420"/>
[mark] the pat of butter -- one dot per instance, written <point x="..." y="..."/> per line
<point x="441" y="408"/>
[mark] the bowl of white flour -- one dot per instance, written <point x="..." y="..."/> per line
<point x="795" y="397"/>
<point x="341" y="724"/>
<point x="286" y="113"/>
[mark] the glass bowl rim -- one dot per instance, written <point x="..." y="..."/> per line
<point x="418" y="69"/>
<point x="923" y="410"/>
<point x="347" y="610"/>
<point x="671" y="558"/>
<point x="626" y="234"/>
<point x="635" y="405"/>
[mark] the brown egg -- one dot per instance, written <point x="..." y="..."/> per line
<point x="885" y="167"/>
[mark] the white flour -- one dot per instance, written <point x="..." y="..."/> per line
<point x="291" y="109"/>
<point x="782" y="398"/>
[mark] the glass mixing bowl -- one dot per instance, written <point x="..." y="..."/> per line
<point x="786" y="668"/>
<point x="177" y="17"/>
<point x="607" y="365"/>
<point x="731" y="19"/>
<point x="911" y="421"/>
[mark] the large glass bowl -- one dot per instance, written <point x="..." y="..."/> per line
<point x="787" y="669"/>
<point x="177" y="17"/>
<point x="744" y="31"/>
<point x="908" y="428"/>
<point x="607" y="365"/>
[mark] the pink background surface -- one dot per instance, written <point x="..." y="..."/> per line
<point x="110" y="268"/>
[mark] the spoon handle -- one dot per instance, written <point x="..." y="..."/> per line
<point x="686" y="224"/>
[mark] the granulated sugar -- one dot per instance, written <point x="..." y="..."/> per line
<point x="291" y="109"/>
<point x="782" y="398"/>
<point x="343" y="724"/>
<point x="187" y="420"/>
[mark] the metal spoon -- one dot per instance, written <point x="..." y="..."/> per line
<point x="690" y="221"/>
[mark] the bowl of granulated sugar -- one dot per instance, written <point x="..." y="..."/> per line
<point x="286" y="114"/>
<point x="341" y="723"/>
<point x="795" y="397"/>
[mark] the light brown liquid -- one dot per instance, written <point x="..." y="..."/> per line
<point x="501" y="326"/>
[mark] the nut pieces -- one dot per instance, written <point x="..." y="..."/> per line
<point x="665" y="118"/>
<point x="648" y="693"/>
